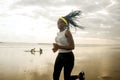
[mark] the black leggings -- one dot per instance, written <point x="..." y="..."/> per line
<point x="66" y="61"/>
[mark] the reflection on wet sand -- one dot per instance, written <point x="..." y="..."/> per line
<point x="110" y="68"/>
<point x="98" y="63"/>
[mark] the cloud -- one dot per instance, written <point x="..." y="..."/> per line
<point x="100" y="17"/>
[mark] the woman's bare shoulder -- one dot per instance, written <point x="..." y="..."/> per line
<point x="68" y="33"/>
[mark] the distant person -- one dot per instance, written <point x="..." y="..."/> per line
<point x="33" y="51"/>
<point x="40" y="51"/>
<point x="65" y="44"/>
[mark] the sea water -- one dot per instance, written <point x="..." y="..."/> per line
<point x="99" y="62"/>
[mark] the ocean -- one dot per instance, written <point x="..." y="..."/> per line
<point x="99" y="62"/>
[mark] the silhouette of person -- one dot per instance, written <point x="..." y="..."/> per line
<point x="65" y="44"/>
<point x="41" y="51"/>
<point x="33" y="51"/>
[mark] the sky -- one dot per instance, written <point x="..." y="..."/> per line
<point x="36" y="20"/>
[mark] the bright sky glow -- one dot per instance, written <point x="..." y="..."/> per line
<point x="35" y="20"/>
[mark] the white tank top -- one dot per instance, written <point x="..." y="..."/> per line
<point x="62" y="40"/>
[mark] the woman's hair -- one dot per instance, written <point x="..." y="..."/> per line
<point x="71" y="19"/>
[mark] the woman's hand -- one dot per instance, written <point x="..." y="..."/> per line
<point x="55" y="47"/>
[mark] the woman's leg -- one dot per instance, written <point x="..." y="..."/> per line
<point x="57" y="67"/>
<point x="68" y="65"/>
<point x="73" y="77"/>
<point x="80" y="76"/>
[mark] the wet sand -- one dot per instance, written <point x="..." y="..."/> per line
<point x="102" y="65"/>
<point x="98" y="62"/>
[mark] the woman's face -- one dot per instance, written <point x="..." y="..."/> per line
<point x="61" y="24"/>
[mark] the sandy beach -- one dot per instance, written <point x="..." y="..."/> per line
<point x="98" y="62"/>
